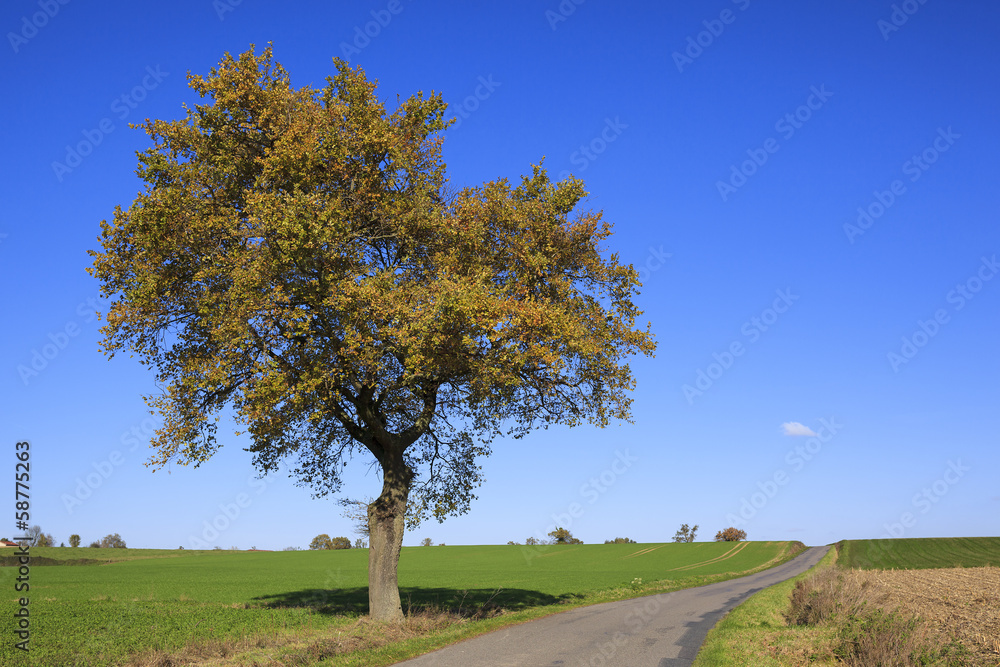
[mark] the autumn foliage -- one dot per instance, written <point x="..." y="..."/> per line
<point x="730" y="535"/>
<point x="299" y="258"/>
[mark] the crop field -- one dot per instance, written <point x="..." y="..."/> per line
<point x="951" y="585"/>
<point x="920" y="553"/>
<point x="958" y="602"/>
<point x="125" y="602"/>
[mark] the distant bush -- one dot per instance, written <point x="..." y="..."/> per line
<point x="730" y="535"/>
<point x="321" y="541"/>
<point x="563" y="536"/>
<point x="620" y="540"/>
<point x="426" y="542"/>
<point x="112" y="541"/>
<point x="340" y="543"/>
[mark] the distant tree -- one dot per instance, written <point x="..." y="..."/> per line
<point x="180" y="548"/>
<point x="74" y="541"/>
<point x="95" y="545"/>
<point x="426" y="542"/>
<point x="32" y="535"/>
<point x="360" y="543"/>
<point x="620" y="540"/>
<point x="513" y="543"/>
<point x="340" y="543"/>
<point x="62" y="544"/>
<point x="442" y="544"/>
<point x="321" y="541"/>
<point x="730" y="535"/>
<point x="112" y="541"/>
<point x="216" y="548"/>
<point x="563" y="536"/>
<point x="45" y="540"/>
<point x="531" y="541"/>
<point x="292" y="549"/>
<point x="685" y="534"/>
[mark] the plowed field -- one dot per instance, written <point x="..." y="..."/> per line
<point x="962" y="602"/>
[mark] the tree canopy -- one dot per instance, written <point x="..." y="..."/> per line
<point x="298" y="256"/>
<point x="563" y="536"/>
<point x="731" y="534"/>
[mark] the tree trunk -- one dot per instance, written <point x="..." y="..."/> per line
<point x="386" y="521"/>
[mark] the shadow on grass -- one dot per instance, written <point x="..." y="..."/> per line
<point x="471" y="602"/>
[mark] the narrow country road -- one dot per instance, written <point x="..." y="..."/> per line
<point x="663" y="630"/>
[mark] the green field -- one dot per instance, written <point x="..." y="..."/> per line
<point x="920" y="553"/>
<point x="136" y="600"/>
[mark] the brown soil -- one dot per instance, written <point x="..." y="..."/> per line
<point x="959" y="602"/>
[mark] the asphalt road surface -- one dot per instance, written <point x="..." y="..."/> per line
<point x="663" y="630"/>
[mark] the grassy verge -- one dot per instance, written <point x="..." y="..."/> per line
<point x="755" y="633"/>
<point x="835" y="614"/>
<point x="359" y="642"/>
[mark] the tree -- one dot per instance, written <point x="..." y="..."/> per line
<point x="620" y="540"/>
<point x="74" y="541"/>
<point x="298" y="256"/>
<point x="112" y="541"/>
<point x="340" y="543"/>
<point x="730" y="535"/>
<point x="563" y="536"/>
<point x="686" y="534"/>
<point x="512" y="543"/>
<point x="531" y="541"/>
<point x="426" y="542"/>
<point x="321" y="541"/>
<point x="33" y="534"/>
<point x="94" y="545"/>
<point x="46" y="540"/>
<point x="360" y="543"/>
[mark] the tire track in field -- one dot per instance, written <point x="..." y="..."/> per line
<point x="712" y="561"/>
<point x="643" y="552"/>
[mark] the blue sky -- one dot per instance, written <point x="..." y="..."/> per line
<point x="808" y="189"/>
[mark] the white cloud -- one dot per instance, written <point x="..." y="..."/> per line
<point x="795" y="428"/>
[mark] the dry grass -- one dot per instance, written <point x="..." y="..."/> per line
<point x="904" y="617"/>
<point x="963" y="603"/>
<point x="301" y="648"/>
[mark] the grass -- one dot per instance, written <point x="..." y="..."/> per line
<point x="920" y="554"/>
<point x="755" y="633"/>
<point x="158" y="603"/>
